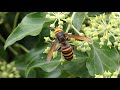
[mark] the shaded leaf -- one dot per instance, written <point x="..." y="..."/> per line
<point x="79" y="19"/>
<point x="30" y="25"/>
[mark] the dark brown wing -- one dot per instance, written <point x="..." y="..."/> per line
<point x="77" y="37"/>
<point x="52" y="49"/>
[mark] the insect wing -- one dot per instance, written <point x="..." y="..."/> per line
<point x="77" y="37"/>
<point x="52" y="49"/>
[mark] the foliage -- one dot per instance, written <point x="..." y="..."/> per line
<point x="29" y="37"/>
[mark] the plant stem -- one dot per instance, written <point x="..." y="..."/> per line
<point x="69" y="25"/>
<point x="22" y="47"/>
<point x="10" y="48"/>
<point x="15" y="20"/>
<point x="67" y="28"/>
<point x="73" y="16"/>
<point x="75" y="29"/>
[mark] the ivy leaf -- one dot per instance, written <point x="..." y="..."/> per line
<point x="79" y="19"/>
<point x="30" y="25"/>
<point x="102" y="59"/>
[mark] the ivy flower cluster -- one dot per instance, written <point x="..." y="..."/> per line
<point x="105" y="27"/>
<point x="58" y="17"/>
<point x="108" y="74"/>
<point x="8" y="70"/>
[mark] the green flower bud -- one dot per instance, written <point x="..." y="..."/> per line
<point x="95" y="33"/>
<point x="115" y="73"/>
<point x="87" y="29"/>
<point x="47" y="50"/>
<point x="8" y="66"/>
<point x="109" y="35"/>
<point x="66" y="13"/>
<point x="74" y="56"/>
<point x="88" y="48"/>
<point x="52" y="18"/>
<point x="77" y="43"/>
<point x="52" y="25"/>
<point x="109" y="27"/>
<point x="11" y="75"/>
<point x="98" y="76"/>
<point x="14" y="69"/>
<point x="47" y="15"/>
<point x="102" y="39"/>
<point x="2" y="68"/>
<point x="83" y="49"/>
<point x="86" y="44"/>
<point x="95" y="38"/>
<point x="105" y="37"/>
<point x="17" y="76"/>
<point x="52" y="34"/>
<point x="68" y="20"/>
<point x="96" y="18"/>
<point x="62" y="16"/>
<point x="55" y="54"/>
<point x="107" y="74"/>
<point x="118" y="44"/>
<point x="116" y="31"/>
<point x="109" y="44"/>
<point x="72" y="40"/>
<point x="60" y="22"/>
<point x="101" y="44"/>
<point x="115" y="43"/>
<point x="113" y="21"/>
<point x="88" y="33"/>
<point x="4" y="74"/>
<point x="81" y="34"/>
<point x="119" y="48"/>
<point x="116" y="39"/>
<point x="94" y="24"/>
<point x="79" y="48"/>
<point x="101" y="27"/>
<point x="113" y="76"/>
<point x="47" y="39"/>
<point x="62" y="61"/>
<point x="60" y="26"/>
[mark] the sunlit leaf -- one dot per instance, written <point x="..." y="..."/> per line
<point x="102" y="59"/>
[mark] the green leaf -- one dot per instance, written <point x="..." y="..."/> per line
<point x="91" y="14"/>
<point x="30" y="25"/>
<point x="79" y="19"/>
<point x="102" y="59"/>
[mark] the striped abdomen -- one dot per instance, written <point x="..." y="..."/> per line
<point x="67" y="52"/>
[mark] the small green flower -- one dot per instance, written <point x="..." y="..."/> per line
<point x="48" y="16"/>
<point x="11" y="75"/>
<point x="86" y="44"/>
<point x="62" y="61"/>
<point x="109" y="44"/>
<point x="52" y="18"/>
<point x="47" y="39"/>
<point x="83" y="49"/>
<point x="54" y="54"/>
<point x="68" y="20"/>
<point x="88" y="48"/>
<point x="109" y="27"/>
<point x="101" y="44"/>
<point x="99" y="76"/>
<point x="115" y="43"/>
<point x="52" y="25"/>
<point x="4" y="74"/>
<point x="52" y="34"/>
<point x="46" y="50"/>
